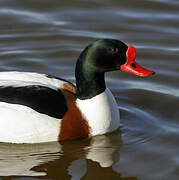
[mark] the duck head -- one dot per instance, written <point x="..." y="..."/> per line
<point x="102" y="56"/>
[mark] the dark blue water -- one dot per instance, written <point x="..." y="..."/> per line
<point x="48" y="35"/>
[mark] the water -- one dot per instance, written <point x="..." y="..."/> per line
<point x="48" y="35"/>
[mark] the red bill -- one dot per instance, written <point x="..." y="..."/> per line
<point x="132" y="67"/>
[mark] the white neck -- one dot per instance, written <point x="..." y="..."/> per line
<point x="101" y="113"/>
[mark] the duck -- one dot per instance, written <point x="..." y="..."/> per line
<point x="38" y="108"/>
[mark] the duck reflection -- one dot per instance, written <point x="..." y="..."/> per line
<point x="80" y="159"/>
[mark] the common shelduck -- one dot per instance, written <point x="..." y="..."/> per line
<point x="37" y="108"/>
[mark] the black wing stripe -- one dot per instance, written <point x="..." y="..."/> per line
<point x="41" y="99"/>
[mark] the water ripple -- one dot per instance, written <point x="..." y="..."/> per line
<point x="154" y="87"/>
<point x="30" y="16"/>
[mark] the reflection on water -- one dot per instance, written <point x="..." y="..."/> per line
<point x="47" y="36"/>
<point x="77" y="159"/>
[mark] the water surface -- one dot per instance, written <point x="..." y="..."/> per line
<point x="48" y="35"/>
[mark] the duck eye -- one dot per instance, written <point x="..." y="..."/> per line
<point x="113" y="50"/>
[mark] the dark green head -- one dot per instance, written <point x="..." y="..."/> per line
<point x="102" y="56"/>
<point x="97" y="58"/>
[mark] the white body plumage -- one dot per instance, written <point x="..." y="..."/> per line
<point x="22" y="124"/>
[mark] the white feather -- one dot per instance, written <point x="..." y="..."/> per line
<point x="21" y="124"/>
<point x="101" y="113"/>
<point x="15" y="78"/>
